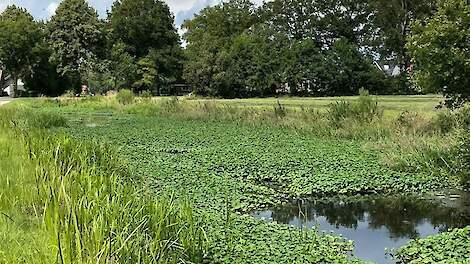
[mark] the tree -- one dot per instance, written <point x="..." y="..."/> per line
<point x="440" y="47"/>
<point x="146" y="30"/>
<point x="43" y="78"/>
<point x="75" y="35"/>
<point x="148" y="75"/>
<point x="19" y="36"/>
<point x="393" y="19"/>
<point x="209" y="36"/>
<point x="123" y="67"/>
<point x="143" y="25"/>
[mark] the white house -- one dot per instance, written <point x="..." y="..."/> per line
<point x="390" y="69"/>
<point x="6" y="84"/>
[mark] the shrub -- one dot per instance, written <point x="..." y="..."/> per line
<point x="364" y="110"/>
<point x="339" y="111"/>
<point x="463" y="117"/>
<point x="406" y="119"/>
<point x="445" y="122"/>
<point x="146" y="95"/>
<point x="125" y="97"/>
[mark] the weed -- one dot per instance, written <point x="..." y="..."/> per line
<point x="146" y="95"/>
<point x="279" y="110"/>
<point x="364" y="110"/>
<point x="445" y="122"/>
<point x="125" y="97"/>
<point x="463" y="159"/>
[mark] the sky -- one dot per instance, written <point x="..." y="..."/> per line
<point x="44" y="9"/>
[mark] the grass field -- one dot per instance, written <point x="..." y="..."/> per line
<point x="228" y="158"/>
<point x="393" y="104"/>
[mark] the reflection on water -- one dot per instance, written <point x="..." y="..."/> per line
<point x="377" y="223"/>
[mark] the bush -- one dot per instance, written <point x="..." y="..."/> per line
<point x="364" y="110"/>
<point x="125" y="97"/>
<point x="339" y="111"/>
<point x="463" y="117"/>
<point x="146" y="95"/>
<point x="445" y="122"/>
<point x="406" y="119"/>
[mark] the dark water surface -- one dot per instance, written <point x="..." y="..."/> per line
<point x="377" y="223"/>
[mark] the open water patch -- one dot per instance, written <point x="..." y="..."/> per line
<point x="376" y="224"/>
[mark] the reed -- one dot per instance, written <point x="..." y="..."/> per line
<point x="79" y="203"/>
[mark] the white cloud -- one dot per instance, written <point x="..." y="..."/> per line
<point x="51" y="8"/>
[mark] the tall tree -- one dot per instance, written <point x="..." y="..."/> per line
<point x="19" y="37"/>
<point x="76" y="35"/>
<point x="394" y="18"/>
<point x="143" y="25"/>
<point x="209" y="36"/>
<point x="146" y="28"/>
<point x="440" y="47"/>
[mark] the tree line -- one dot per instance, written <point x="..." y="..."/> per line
<point x="137" y="47"/>
<point x="236" y="49"/>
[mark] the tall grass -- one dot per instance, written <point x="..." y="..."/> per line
<point x="79" y="203"/>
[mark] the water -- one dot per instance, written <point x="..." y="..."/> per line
<point x="377" y="223"/>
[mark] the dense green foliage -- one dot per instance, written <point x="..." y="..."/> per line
<point x="125" y="97"/>
<point x="440" y="46"/>
<point x="145" y="30"/>
<point x="451" y="247"/>
<point x="395" y="19"/>
<point x="237" y="49"/>
<point x="19" y="38"/>
<point x="75" y="37"/>
<point x="315" y="53"/>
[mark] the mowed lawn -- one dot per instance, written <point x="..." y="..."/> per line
<point x="392" y="104"/>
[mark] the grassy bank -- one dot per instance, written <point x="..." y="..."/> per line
<point x="70" y="201"/>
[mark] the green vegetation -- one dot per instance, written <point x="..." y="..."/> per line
<point x="125" y="97"/>
<point x="227" y="160"/>
<point x="440" y="46"/>
<point x="72" y="201"/>
<point x="325" y="48"/>
<point x="19" y="35"/>
<point x="125" y="178"/>
<point x="451" y="247"/>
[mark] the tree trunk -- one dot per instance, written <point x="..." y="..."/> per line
<point x="14" y="92"/>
